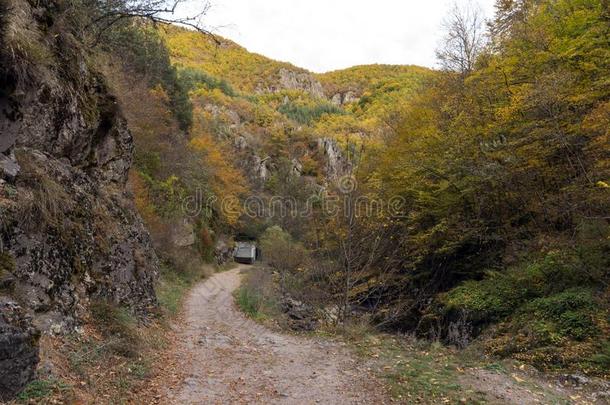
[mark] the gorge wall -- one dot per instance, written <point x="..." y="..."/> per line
<point x="69" y="233"/>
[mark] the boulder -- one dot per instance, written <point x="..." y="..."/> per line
<point x="300" y="315"/>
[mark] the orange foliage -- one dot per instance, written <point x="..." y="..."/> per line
<point x="226" y="181"/>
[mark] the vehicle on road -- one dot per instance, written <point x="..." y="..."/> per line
<point x="245" y="252"/>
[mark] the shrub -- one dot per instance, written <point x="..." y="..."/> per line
<point x="500" y="294"/>
<point x="280" y="251"/>
<point x="568" y="313"/>
<point x="548" y="311"/>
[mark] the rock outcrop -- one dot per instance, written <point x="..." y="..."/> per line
<point x="288" y="79"/>
<point x="293" y="80"/>
<point x="336" y="163"/>
<point x="68" y="228"/>
<point x="343" y="98"/>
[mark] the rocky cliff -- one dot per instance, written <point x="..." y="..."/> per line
<point x="68" y="231"/>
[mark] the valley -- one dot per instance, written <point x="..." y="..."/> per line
<point x="426" y="235"/>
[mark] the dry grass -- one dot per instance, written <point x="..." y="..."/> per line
<point x="25" y="45"/>
<point x="44" y="202"/>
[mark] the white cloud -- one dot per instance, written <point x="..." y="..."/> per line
<point x="323" y="35"/>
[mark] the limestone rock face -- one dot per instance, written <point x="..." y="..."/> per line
<point x="293" y="80"/>
<point x="67" y="216"/>
<point x="344" y="98"/>
<point x="336" y="163"/>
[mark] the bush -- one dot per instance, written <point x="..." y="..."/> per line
<point x="500" y="294"/>
<point x="548" y="311"/>
<point x="280" y="251"/>
<point x="568" y="313"/>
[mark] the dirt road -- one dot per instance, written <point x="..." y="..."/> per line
<point x="228" y="358"/>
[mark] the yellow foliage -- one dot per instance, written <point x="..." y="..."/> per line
<point x="244" y="70"/>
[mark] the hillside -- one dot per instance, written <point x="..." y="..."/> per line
<point x="361" y="79"/>
<point x="222" y="58"/>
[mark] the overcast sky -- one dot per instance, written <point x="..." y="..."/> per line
<point x="323" y="35"/>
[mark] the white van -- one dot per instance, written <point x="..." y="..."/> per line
<point x="245" y="253"/>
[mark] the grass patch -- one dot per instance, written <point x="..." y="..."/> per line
<point x="496" y="367"/>
<point x="257" y="295"/>
<point x="173" y="285"/>
<point x="119" y="328"/>
<point x="601" y="359"/>
<point x="38" y="390"/>
<point x="251" y="302"/>
<point x="416" y="371"/>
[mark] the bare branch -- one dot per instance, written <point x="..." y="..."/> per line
<point x="464" y="38"/>
<point x="109" y="12"/>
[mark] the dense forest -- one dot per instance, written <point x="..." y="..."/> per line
<point x="467" y="205"/>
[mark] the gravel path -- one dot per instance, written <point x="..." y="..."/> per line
<point x="228" y="358"/>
